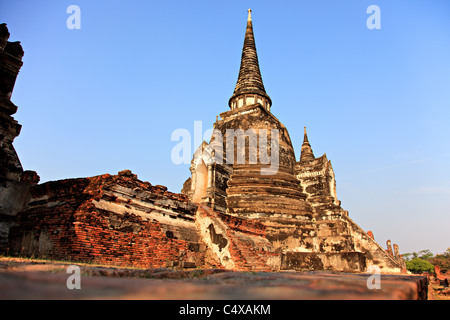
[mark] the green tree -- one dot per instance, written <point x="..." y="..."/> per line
<point x="407" y="256"/>
<point x="425" y="254"/>
<point x="418" y="265"/>
<point x="422" y="254"/>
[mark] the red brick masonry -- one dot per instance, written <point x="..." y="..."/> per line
<point x="65" y="222"/>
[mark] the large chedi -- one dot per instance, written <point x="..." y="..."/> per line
<point x="249" y="170"/>
<point x="250" y="159"/>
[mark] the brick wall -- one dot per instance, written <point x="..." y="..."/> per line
<point x="120" y="220"/>
<point x="63" y="223"/>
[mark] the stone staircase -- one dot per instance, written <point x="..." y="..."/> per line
<point x="239" y="244"/>
<point x="246" y="257"/>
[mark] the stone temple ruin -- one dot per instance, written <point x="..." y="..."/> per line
<point x="239" y="210"/>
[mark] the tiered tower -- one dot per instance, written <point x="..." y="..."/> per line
<point x="249" y="170"/>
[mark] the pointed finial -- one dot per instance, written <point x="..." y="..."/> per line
<point x="305" y="136"/>
<point x="306" y="152"/>
<point x="249" y="80"/>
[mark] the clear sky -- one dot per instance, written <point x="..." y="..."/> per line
<point x="108" y="96"/>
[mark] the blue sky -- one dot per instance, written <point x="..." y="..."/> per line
<point x="108" y="96"/>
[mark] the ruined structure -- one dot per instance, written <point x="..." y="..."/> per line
<point x="296" y="201"/>
<point x="14" y="181"/>
<point x="248" y="205"/>
<point x="120" y="220"/>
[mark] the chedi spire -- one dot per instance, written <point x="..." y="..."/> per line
<point x="306" y="153"/>
<point x="249" y="87"/>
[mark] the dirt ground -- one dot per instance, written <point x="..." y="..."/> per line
<point x="437" y="292"/>
<point x="47" y="280"/>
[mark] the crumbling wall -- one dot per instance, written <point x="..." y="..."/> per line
<point x="50" y="212"/>
<point x="14" y="181"/>
<point x="103" y="220"/>
<point x="11" y="54"/>
<point x="120" y="220"/>
<point x="375" y="254"/>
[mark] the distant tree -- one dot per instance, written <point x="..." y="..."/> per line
<point x="421" y="261"/>
<point x="418" y="265"/>
<point x="442" y="260"/>
<point x="447" y="253"/>
<point x="425" y="254"/>
<point x="407" y="256"/>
